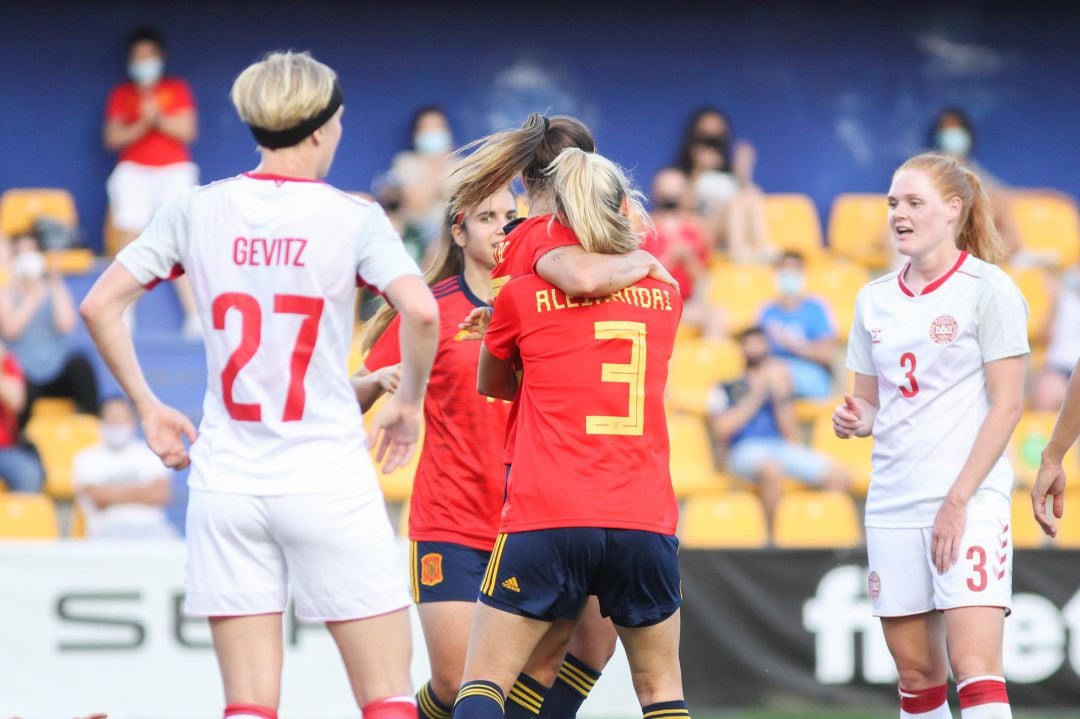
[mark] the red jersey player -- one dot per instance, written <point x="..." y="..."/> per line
<point x="590" y="508"/>
<point x="283" y="494"/>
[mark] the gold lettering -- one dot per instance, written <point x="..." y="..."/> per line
<point x="543" y="303"/>
<point x="555" y="300"/>
<point x="570" y="302"/>
<point x="618" y="296"/>
<point x="667" y="303"/>
<point x="658" y="299"/>
<point x="645" y="296"/>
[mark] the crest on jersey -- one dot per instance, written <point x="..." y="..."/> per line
<point x="943" y="330"/>
<point x="873" y="584"/>
<point x="431" y="569"/>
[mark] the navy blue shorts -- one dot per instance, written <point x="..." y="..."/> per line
<point x="445" y="571"/>
<point x="548" y="574"/>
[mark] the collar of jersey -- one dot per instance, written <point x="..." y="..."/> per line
<point x="280" y="178"/>
<point x="469" y="293"/>
<point x="936" y="283"/>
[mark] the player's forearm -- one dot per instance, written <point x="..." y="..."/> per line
<point x="183" y="126"/>
<point x="990" y="445"/>
<point x="367" y="388"/>
<point x="1067" y="427"/>
<point x="496" y="377"/>
<point x="111" y="336"/>
<point x="419" y="339"/>
<point x="585" y="274"/>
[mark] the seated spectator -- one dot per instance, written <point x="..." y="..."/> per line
<point x="721" y="174"/>
<point x="20" y="467"/>
<point x="753" y="419"/>
<point x="800" y="330"/>
<point x="120" y="485"/>
<point x="150" y="120"/>
<point x="678" y="241"/>
<point x="36" y="316"/>
<point x="421" y="171"/>
<point x="1063" y="345"/>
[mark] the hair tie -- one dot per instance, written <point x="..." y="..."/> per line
<point x="277" y="139"/>
<point x="547" y="124"/>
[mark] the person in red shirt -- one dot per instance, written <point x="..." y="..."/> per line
<point x="150" y="121"/>
<point x="460" y="479"/>
<point x="20" y="468"/>
<point x="590" y="508"/>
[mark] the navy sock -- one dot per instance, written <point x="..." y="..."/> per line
<point x="666" y="710"/>
<point x="525" y="699"/>
<point x="573" y="684"/>
<point x="430" y="706"/>
<point x="479" y="700"/>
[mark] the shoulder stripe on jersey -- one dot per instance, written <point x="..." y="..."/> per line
<point x="450" y="284"/>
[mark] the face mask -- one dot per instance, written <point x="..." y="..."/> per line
<point x="433" y="142"/>
<point x="29" y="265"/>
<point x="146" y="72"/>
<point x="752" y="362"/>
<point x="954" y="140"/>
<point x="116" y="436"/>
<point x="667" y="203"/>
<point x="789" y="282"/>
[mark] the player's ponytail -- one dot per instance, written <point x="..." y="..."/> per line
<point x="977" y="233"/>
<point x="499" y="158"/>
<point x="595" y="200"/>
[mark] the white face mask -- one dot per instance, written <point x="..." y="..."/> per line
<point x="29" y="265"/>
<point x="433" y="142"/>
<point x="955" y="141"/>
<point x="145" y="73"/>
<point x="789" y="282"/>
<point x="117" y="436"/>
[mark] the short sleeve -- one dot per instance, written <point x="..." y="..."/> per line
<point x="819" y="322"/>
<point x="502" y="335"/>
<point x="159" y="252"/>
<point x="1001" y="316"/>
<point x="381" y="256"/>
<point x="183" y="99"/>
<point x="859" y="356"/>
<point x="387" y="349"/>
<point x="557" y="236"/>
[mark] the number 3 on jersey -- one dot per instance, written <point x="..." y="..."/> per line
<point x="632" y="373"/>
<point x="907" y="361"/>
<point x="310" y="308"/>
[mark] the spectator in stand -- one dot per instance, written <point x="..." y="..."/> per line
<point x="20" y="468"/>
<point x="678" y="241"/>
<point x="1063" y="344"/>
<point x="37" y="314"/>
<point x="721" y="174"/>
<point x="421" y="171"/>
<point x="121" y="486"/>
<point x="753" y="420"/>
<point x="150" y="121"/>
<point x="800" y="330"/>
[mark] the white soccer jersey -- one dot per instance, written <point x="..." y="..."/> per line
<point x="928" y="352"/>
<point x="274" y="264"/>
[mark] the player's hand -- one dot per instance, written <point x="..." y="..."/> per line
<point x="165" y="429"/>
<point x="658" y="272"/>
<point x="477" y="323"/>
<point x="394" y="434"/>
<point x="947" y="533"/>
<point x="388" y="377"/>
<point x="847" y="418"/>
<point x="1049" y="484"/>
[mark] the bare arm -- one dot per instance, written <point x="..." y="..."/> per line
<point x="369" y="386"/>
<point x="1050" y="481"/>
<point x="182" y="125"/>
<point x="727" y="423"/>
<point x="12" y="391"/>
<point x="15" y="317"/>
<point x="156" y="492"/>
<point x="63" y="306"/>
<point x="588" y="274"/>
<point x="496" y="377"/>
<point x="855" y="418"/>
<point x="118" y="135"/>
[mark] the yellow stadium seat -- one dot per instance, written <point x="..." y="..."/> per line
<point x="691" y="462"/>
<point x="53" y="406"/>
<point x="696" y="366"/>
<point x="858" y="229"/>
<point x="1049" y="225"/>
<point x="59" y="438"/>
<point x="28" y="516"/>
<point x="837" y="283"/>
<point x="20" y="207"/>
<point x="793" y="224"/>
<point x="1068" y="536"/>
<point x="1026" y="532"/>
<point x="816" y="519"/>
<point x="852" y="454"/>
<point x="1027" y="443"/>
<point x="741" y="290"/>
<point x="1034" y="284"/>
<point x="730" y="520"/>
<point x="75" y="261"/>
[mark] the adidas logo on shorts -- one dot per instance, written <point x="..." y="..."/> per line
<point x="512" y="584"/>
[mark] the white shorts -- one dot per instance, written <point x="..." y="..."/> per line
<point x="336" y="551"/>
<point x="137" y="191"/>
<point x="903" y="581"/>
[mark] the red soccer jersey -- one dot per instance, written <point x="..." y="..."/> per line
<point x="592" y="442"/>
<point x="460" y="479"/>
<point x="517" y="255"/>
<point x="155" y="148"/>
<point x="9" y="420"/>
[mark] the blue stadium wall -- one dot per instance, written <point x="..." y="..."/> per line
<point x="833" y="95"/>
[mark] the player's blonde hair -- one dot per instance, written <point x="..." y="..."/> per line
<point x="977" y="233"/>
<point x="282" y="90"/>
<point x="589" y="194"/>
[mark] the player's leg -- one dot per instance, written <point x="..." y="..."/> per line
<point x="974" y="639"/>
<point x="249" y="654"/>
<point x="591" y="647"/>
<point x="530" y="691"/>
<point x="376" y="652"/>
<point x="653" y="653"/>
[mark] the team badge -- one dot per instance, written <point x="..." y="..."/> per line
<point x="431" y="569"/>
<point x="873" y="583"/>
<point x="943" y="330"/>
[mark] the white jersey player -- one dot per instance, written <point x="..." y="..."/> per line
<point x="283" y="494"/>
<point x="938" y="353"/>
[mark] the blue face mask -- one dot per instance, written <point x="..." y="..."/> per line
<point x="434" y="142"/>
<point x="955" y="141"/>
<point x="790" y="282"/>
<point x="145" y="73"/>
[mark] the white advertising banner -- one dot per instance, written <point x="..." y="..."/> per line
<point x="98" y="626"/>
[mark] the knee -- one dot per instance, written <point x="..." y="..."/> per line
<point x="916" y="677"/>
<point x="594" y="649"/>
<point x="973" y="664"/>
<point x="652" y="687"/>
<point x="445" y="684"/>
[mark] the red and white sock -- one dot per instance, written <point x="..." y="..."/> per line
<point x="249" y="711"/>
<point x="391" y="708"/>
<point x="984" y="697"/>
<point x="932" y="703"/>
